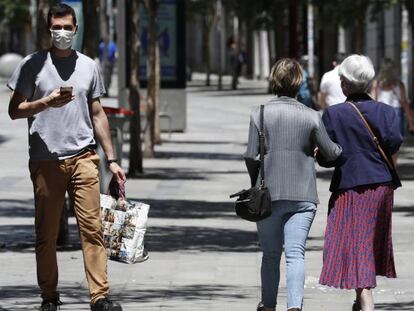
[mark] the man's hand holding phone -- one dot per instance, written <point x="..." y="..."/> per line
<point x="60" y="97"/>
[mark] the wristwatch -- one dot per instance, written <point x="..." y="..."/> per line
<point x="112" y="161"/>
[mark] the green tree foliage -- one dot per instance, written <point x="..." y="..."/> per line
<point x="15" y="12"/>
<point x="351" y="14"/>
<point x="201" y="8"/>
<point x="346" y="12"/>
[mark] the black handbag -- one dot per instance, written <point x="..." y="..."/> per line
<point x="255" y="204"/>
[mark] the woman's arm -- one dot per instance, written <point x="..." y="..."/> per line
<point x="252" y="152"/>
<point x="328" y="151"/>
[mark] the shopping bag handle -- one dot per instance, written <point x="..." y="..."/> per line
<point x="116" y="189"/>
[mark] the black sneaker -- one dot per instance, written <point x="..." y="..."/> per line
<point x="260" y="306"/>
<point x="50" y="305"/>
<point x="105" y="304"/>
<point x="356" y="306"/>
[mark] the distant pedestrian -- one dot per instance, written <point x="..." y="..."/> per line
<point x="389" y="89"/>
<point x="358" y="243"/>
<point x="330" y="87"/>
<point x="292" y="131"/>
<point x="58" y="91"/>
<point x="109" y="49"/>
<point x="237" y="60"/>
<point x="307" y="92"/>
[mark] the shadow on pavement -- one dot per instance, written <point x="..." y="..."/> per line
<point x="325" y="175"/>
<point x="3" y="139"/>
<point x="400" y="306"/>
<point x="406" y="171"/>
<point x="30" y="295"/>
<point x="227" y="90"/>
<point x="407" y="210"/>
<point x="189" y="209"/>
<point x="242" y="92"/>
<point x="172" y="238"/>
<point x="17" y="208"/>
<point x="201" y="239"/>
<point x="21" y="238"/>
<point x="196" y="155"/>
<point x="181" y="174"/>
<point x="183" y="293"/>
<point x="204" y="142"/>
<point x="199" y="155"/>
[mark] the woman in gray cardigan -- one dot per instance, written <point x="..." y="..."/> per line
<point x="292" y="132"/>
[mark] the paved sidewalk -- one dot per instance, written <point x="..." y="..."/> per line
<point x="201" y="256"/>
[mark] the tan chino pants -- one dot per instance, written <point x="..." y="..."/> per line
<point x="51" y="180"/>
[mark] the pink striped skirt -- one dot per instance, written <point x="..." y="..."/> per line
<point x="358" y="244"/>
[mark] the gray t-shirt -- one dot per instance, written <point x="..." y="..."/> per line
<point x="59" y="133"/>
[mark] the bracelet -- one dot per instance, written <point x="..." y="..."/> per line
<point x="112" y="161"/>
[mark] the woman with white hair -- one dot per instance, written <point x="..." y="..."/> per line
<point x="358" y="244"/>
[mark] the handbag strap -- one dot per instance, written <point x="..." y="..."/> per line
<point x="374" y="137"/>
<point x="261" y="146"/>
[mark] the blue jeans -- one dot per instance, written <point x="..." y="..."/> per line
<point x="289" y="224"/>
<point x="400" y="117"/>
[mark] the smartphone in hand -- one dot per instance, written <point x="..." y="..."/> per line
<point x="66" y="90"/>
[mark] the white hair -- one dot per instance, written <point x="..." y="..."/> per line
<point x="357" y="72"/>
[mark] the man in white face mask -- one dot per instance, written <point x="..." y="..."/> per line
<point x="58" y="91"/>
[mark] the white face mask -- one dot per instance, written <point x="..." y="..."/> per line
<point x="62" y="39"/>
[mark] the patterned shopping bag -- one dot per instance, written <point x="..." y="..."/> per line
<point x="124" y="225"/>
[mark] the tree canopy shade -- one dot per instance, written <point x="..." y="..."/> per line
<point x="200" y="8"/>
<point x="346" y="12"/>
<point x="15" y="12"/>
<point x="258" y="14"/>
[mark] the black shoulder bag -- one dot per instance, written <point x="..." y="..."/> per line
<point x="255" y="204"/>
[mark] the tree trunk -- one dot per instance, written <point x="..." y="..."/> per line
<point x="43" y="34"/>
<point x="410" y="7"/>
<point x="222" y="43"/>
<point x="206" y="48"/>
<point x="359" y="36"/>
<point x="236" y="63"/>
<point x="249" y="53"/>
<point x="152" y="8"/>
<point x="157" y="106"/>
<point x="293" y="29"/>
<point x="91" y="29"/>
<point x="104" y="36"/>
<point x="272" y="56"/>
<point x="135" y="152"/>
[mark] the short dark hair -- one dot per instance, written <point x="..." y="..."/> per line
<point x="340" y="57"/>
<point x="60" y="10"/>
<point x="286" y="77"/>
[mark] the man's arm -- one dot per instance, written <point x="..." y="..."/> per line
<point x="101" y="126"/>
<point x="322" y="100"/>
<point x="374" y="90"/>
<point x="20" y="108"/>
